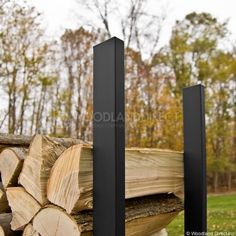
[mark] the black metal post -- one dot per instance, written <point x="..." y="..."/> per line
<point x="109" y="139"/>
<point x="195" y="201"/>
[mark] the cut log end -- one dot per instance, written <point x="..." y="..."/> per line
<point x="66" y="187"/>
<point x="43" y="153"/>
<point x="52" y="221"/>
<point x="23" y="206"/>
<point x="2" y="233"/>
<point x="11" y="162"/>
<point x="29" y="231"/>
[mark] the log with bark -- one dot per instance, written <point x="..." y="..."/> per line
<point x="23" y="207"/>
<point x="144" y="216"/>
<point x="148" y="171"/>
<point x="11" y="162"/>
<point x="43" y="152"/>
<point x="10" y="140"/>
<point x="59" y="172"/>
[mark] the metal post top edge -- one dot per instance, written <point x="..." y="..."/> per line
<point x="110" y="39"/>
<point x="194" y="86"/>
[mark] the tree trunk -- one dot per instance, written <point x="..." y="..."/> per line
<point x="216" y="181"/>
<point x="229" y="180"/>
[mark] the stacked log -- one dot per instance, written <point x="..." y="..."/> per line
<point x="10" y="140"/>
<point x="47" y="187"/>
<point x="11" y="162"/>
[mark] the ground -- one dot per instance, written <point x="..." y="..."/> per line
<point x="221" y="217"/>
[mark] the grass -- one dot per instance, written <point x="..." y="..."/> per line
<point x="221" y="216"/>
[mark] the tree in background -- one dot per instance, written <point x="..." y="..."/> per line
<point x="22" y="59"/>
<point x="193" y="56"/>
<point x="76" y="54"/>
<point x="141" y="33"/>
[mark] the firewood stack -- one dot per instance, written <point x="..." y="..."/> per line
<point x="46" y="187"/>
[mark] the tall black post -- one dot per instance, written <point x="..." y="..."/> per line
<point x="195" y="201"/>
<point x="109" y="139"/>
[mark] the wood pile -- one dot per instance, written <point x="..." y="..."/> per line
<point x="46" y="187"/>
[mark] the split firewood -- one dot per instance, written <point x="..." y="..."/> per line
<point x="2" y="233"/>
<point x="29" y="231"/>
<point x="5" y="227"/>
<point x="11" y="162"/>
<point x="144" y="216"/>
<point x="4" y="207"/>
<point x="148" y="171"/>
<point x="23" y="207"/>
<point x="163" y="232"/>
<point x="43" y="152"/>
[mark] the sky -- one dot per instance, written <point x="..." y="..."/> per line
<point x="61" y="14"/>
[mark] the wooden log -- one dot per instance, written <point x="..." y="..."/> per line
<point x="10" y="140"/>
<point x="144" y="216"/>
<point x="23" y="207"/>
<point x="29" y="231"/>
<point x="5" y="220"/>
<point x="4" y="207"/>
<point x="2" y="233"/>
<point x="43" y="152"/>
<point x="11" y="162"/>
<point x="148" y="171"/>
<point x="163" y="232"/>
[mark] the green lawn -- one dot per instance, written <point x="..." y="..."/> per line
<point x="221" y="216"/>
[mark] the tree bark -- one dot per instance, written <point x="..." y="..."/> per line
<point x="229" y="182"/>
<point x="9" y="140"/>
<point x="144" y="216"/>
<point x="216" y="181"/>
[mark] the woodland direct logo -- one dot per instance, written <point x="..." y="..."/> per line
<point x="108" y="120"/>
<point x="220" y="233"/>
<point x="108" y="117"/>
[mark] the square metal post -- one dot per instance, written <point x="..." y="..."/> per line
<point x="195" y="185"/>
<point x="109" y="139"/>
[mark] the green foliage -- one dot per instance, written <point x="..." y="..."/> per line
<point x="194" y="55"/>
